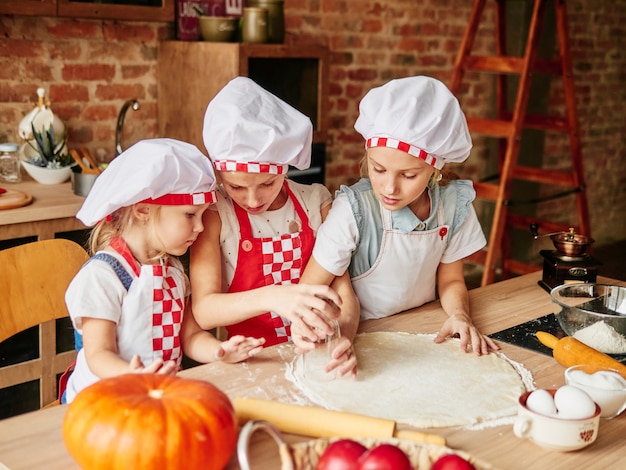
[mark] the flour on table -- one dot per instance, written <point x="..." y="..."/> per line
<point x="412" y="380"/>
<point x="603" y="337"/>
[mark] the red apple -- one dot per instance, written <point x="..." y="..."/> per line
<point x="384" y="457"/>
<point x="452" y="462"/>
<point x="341" y="455"/>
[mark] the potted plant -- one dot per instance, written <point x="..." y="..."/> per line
<point x="45" y="155"/>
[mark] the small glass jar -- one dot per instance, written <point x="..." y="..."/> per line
<point x="10" y="163"/>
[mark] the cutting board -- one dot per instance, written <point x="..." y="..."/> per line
<point x="11" y="198"/>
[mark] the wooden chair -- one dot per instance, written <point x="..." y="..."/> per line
<point x="33" y="280"/>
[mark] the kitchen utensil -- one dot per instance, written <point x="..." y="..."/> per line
<point x="605" y="386"/>
<point x="594" y="314"/>
<point x="305" y="455"/>
<point x="555" y="433"/>
<point x="87" y="167"/>
<point x="82" y="182"/>
<point x="218" y="28"/>
<point x="11" y="199"/>
<point x="569" y="352"/>
<point x="319" y="422"/>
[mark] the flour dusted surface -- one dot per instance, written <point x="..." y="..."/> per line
<point x="410" y="379"/>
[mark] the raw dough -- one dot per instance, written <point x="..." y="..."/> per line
<point x="411" y="380"/>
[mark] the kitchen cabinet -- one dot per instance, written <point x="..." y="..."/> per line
<point x="191" y="73"/>
<point x="139" y="10"/>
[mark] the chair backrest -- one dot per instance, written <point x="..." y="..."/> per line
<point x="33" y="281"/>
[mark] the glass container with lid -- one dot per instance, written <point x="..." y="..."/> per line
<point x="10" y="163"/>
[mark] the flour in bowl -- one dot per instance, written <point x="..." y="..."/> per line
<point x="603" y="337"/>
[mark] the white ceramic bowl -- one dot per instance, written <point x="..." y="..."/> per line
<point x="47" y="175"/>
<point x="612" y="400"/>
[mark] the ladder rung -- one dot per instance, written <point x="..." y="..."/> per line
<point x="493" y="127"/>
<point x="510" y="64"/>
<point x="487" y="191"/>
<point x="519" y="267"/>
<point x="549" y="123"/>
<point x="523" y="222"/>
<point x="542" y="175"/>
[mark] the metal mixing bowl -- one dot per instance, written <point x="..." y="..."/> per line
<point x="595" y="314"/>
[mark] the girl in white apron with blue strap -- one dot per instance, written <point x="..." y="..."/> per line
<point x="403" y="232"/>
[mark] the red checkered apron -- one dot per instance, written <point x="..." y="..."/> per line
<point x="269" y="261"/>
<point x="167" y="306"/>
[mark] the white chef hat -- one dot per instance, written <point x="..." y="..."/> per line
<point x="246" y="128"/>
<point x="155" y="171"/>
<point x="417" y="115"/>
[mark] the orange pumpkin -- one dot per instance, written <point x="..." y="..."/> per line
<point x="149" y="421"/>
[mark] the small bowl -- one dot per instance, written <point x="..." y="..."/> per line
<point x="218" y="28"/>
<point x="571" y="244"/>
<point x="47" y="175"/>
<point x="595" y="314"/>
<point x="82" y="182"/>
<point x="554" y="433"/>
<point x="612" y="401"/>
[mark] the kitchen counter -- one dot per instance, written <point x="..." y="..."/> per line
<point x="34" y="440"/>
<point x="52" y="210"/>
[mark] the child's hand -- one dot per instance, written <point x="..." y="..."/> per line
<point x="157" y="367"/>
<point x="469" y="335"/>
<point x="239" y="348"/>
<point x="343" y="359"/>
<point x="310" y="309"/>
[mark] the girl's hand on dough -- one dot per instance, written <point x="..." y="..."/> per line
<point x="461" y="326"/>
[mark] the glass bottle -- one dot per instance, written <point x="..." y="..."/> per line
<point x="10" y="163"/>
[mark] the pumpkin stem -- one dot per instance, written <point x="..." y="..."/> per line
<point x="156" y="393"/>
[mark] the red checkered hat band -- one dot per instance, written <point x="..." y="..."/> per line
<point x="403" y="146"/>
<point x="194" y="199"/>
<point x="251" y="167"/>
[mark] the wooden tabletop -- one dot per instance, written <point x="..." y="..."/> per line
<point x="34" y="440"/>
<point x="53" y="209"/>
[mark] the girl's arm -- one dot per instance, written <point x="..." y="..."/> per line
<point x="212" y="307"/>
<point x="102" y="354"/>
<point x="455" y="302"/>
<point x="202" y="346"/>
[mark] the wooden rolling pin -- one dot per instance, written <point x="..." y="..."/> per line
<point x="319" y="422"/>
<point x="568" y="351"/>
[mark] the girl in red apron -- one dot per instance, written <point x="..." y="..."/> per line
<point x="401" y="233"/>
<point x="246" y="267"/>
<point x="128" y="303"/>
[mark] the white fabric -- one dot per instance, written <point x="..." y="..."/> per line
<point x="312" y="197"/>
<point x="148" y="170"/>
<point x="97" y="292"/>
<point x="338" y="236"/>
<point x="246" y="123"/>
<point x="421" y="112"/>
<point x="416" y="255"/>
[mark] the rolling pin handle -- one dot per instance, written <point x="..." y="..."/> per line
<point x="547" y="339"/>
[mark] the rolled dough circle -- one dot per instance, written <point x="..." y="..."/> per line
<point x="412" y="380"/>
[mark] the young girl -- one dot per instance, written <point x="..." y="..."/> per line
<point x="246" y="266"/>
<point x="129" y="301"/>
<point x="403" y="230"/>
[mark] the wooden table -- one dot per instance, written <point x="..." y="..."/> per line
<point x="33" y="440"/>
<point x="52" y="210"/>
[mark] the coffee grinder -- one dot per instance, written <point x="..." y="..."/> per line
<point x="569" y="262"/>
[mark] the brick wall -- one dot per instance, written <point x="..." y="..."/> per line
<point x="91" y="67"/>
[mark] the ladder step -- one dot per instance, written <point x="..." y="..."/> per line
<point x="493" y="127"/>
<point x="548" y="123"/>
<point x="545" y="176"/>
<point x="487" y="191"/>
<point x="509" y="64"/>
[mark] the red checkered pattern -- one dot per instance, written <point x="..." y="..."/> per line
<point x="251" y="167"/>
<point x="398" y="144"/>
<point x="167" y="316"/>
<point x="281" y="325"/>
<point x="282" y="259"/>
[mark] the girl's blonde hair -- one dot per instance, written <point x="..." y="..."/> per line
<point x="116" y="225"/>
<point x="440" y="177"/>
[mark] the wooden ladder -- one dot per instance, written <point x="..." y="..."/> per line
<point x="509" y="125"/>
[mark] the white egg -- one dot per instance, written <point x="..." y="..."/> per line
<point x="540" y="401"/>
<point x="573" y="403"/>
